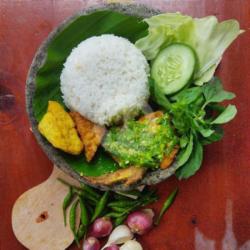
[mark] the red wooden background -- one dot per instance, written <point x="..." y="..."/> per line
<point x="212" y="210"/>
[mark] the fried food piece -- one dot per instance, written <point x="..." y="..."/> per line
<point x="167" y="160"/>
<point x="90" y="133"/>
<point x="59" y="129"/>
<point x="127" y="175"/>
<point x="151" y="116"/>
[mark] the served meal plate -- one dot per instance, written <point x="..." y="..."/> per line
<point x="118" y="101"/>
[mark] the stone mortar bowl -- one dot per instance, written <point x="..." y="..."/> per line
<point x="150" y="178"/>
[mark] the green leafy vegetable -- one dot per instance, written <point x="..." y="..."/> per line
<point x="163" y="30"/>
<point x="188" y="96"/>
<point x="206" y="36"/>
<point x="185" y="153"/>
<point x="193" y="111"/>
<point x="227" y="115"/>
<point x="214" y="92"/>
<point x="212" y="39"/>
<point x="216" y="136"/>
<point x="194" y="162"/>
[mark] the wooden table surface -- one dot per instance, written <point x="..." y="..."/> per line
<point x="212" y="210"/>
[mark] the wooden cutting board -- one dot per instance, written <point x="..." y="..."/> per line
<point x="37" y="216"/>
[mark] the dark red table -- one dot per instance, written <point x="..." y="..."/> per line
<point x="212" y="210"/>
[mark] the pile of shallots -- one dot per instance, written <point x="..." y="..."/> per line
<point x="121" y="237"/>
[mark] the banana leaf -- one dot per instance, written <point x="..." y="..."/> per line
<point x="48" y="76"/>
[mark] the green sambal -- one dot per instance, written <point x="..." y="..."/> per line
<point x="142" y="143"/>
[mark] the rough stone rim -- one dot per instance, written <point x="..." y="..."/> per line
<point x="150" y="178"/>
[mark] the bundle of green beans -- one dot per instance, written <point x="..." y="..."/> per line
<point x="95" y="203"/>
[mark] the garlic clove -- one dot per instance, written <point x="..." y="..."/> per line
<point x="119" y="235"/>
<point x="131" y="245"/>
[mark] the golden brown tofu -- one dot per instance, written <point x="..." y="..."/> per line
<point x="90" y="133"/>
<point x="127" y="176"/>
<point x="59" y="129"/>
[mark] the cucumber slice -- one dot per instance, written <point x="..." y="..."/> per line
<point x="173" y="68"/>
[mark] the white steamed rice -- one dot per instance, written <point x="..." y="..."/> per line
<point x="105" y="79"/>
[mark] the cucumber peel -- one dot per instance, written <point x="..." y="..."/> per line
<point x="174" y="67"/>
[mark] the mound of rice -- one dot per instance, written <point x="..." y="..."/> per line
<point x="105" y="79"/>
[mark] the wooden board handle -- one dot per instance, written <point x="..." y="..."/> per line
<point x="37" y="217"/>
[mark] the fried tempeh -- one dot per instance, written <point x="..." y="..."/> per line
<point x="127" y="176"/>
<point x="90" y="133"/>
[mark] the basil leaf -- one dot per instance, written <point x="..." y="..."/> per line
<point x="205" y="132"/>
<point x="184" y="141"/>
<point x="227" y="115"/>
<point x="187" y="96"/>
<point x="216" y="107"/>
<point x="216" y="136"/>
<point x="194" y="162"/>
<point x="213" y="92"/>
<point x="203" y="129"/>
<point x="185" y="153"/>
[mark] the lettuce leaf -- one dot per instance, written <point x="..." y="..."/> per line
<point x="208" y="37"/>
<point x="165" y="29"/>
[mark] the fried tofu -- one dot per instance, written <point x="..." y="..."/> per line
<point x="90" y="133"/>
<point x="128" y="176"/>
<point x="59" y="129"/>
